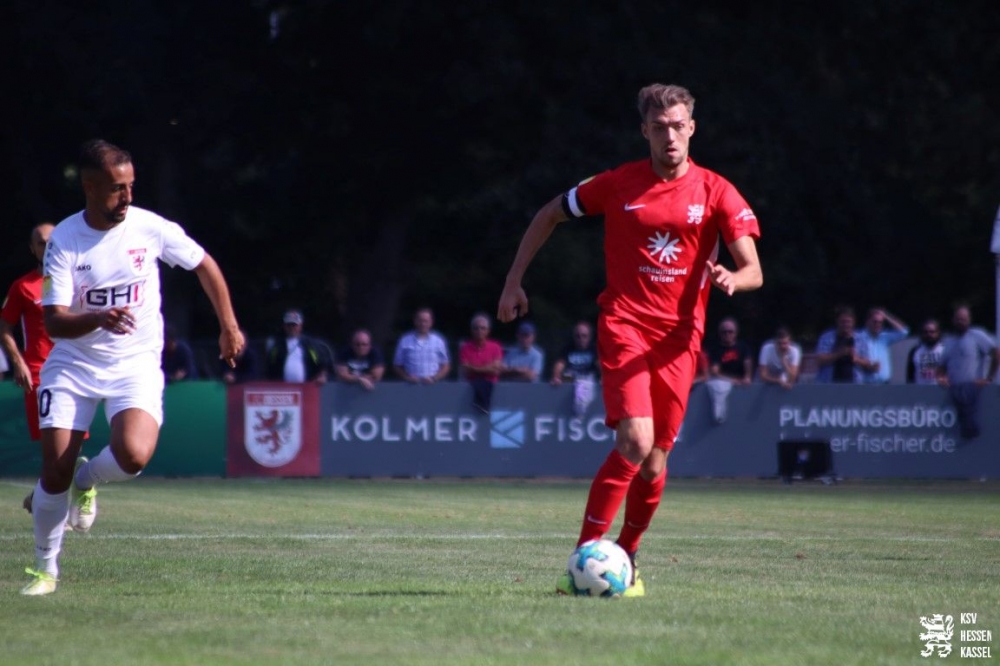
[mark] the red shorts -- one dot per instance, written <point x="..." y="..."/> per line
<point x="644" y="375"/>
<point x="31" y="411"/>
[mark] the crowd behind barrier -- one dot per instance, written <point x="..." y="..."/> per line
<point x="533" y="430"/>
<point x="206" y="355"/>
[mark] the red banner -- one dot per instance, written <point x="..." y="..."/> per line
<point x="272" y="430"/>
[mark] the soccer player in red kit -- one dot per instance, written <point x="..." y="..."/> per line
<point x="23" y="307"/>
<point x="663" y="217"/>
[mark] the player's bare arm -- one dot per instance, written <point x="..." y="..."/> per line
<point x="513" y="300"/>
<point x="748" y="274"/>
<point x="61" y="323"/>
<point x="231" y="340"/>
<point x="22" y="375"/>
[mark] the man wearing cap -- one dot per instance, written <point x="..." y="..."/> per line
<point x="297" y="358"/>
<point x="523" y="362"/>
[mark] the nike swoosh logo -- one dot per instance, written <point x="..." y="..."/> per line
<point x="634" y="206"/>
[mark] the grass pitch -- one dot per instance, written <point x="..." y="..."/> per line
<point x="462" y="572"/>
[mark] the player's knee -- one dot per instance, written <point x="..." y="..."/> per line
<point x="132" y="459"/>
<point x="634" y="441"/>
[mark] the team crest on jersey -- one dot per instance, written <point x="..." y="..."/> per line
<point x="695" y="213"/>
<point x="137" y="260"/>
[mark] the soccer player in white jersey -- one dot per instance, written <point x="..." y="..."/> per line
<point x="101" y="303"/>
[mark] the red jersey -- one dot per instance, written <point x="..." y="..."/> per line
<point x="472" y="354"/>
<point x="23" y="306"/>
<point x="657" y="237"/>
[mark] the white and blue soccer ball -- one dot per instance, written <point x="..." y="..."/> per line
<point x="600" y="568"/>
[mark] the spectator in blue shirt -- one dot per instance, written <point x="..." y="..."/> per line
<point x="876" y="341"/>
<point x="524" y="361"/>
<point x="840" y="353"/>
<point x="969" y="362"/>
<point x="422" y="354"/>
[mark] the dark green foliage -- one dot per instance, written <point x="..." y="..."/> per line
<point x="366" y="158"/>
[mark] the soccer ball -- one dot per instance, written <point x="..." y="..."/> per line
<point x="600" y="568"/>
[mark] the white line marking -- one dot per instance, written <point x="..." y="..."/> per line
<point x="433" y="536"/>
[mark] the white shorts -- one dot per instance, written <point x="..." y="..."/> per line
<point x="71" y="389"/>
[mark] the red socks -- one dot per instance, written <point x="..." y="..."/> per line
<point x="607" y="492"/>
<point x="640" y="504"/>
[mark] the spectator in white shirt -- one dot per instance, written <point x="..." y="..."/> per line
<point x="780" y="360"/>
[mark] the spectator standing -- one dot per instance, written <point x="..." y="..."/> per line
<point x="523" y="362"/>
<point x="422" y="354"/>
<point x="875" y="342"/>
<point x="481" y="359"/>
<point x="968" y="363"/>
<point x="730" y="364"/>
<point x="730" y="358"/>
<point x="296" y="358"/>
<point x="177" y="359"/>
<point x="924" y="359"/>
<point x="839" y="354"/>
<point x="780" y="359"/>
<point x="578" y="359"/>
<point x="579" y="363"/>
<point x="246" y="369"/>
<point x="360" y="362"/>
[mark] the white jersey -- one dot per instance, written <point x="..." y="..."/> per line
<point x="90" y="270"/>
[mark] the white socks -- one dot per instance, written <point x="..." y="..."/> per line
<point x="102" y="469"/>
<point x="49" y="513"/>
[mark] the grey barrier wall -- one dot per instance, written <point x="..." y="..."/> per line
<point x="873" y="432"/>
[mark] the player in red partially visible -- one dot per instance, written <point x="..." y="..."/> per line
<point x="663" y="217"/>
<point x="23" y="307"/>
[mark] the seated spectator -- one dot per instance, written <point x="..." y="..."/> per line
<point x="969" y="362"/>
<point x="481" y="360"/>
<point x="730" y="364"/>
<point x="360" y="362"/>
<point x="296" y="358"/>
<point x="247" y="365"/>
<point x="422" y="354"/>
<point x="780" y="360"/>
<point x="579" y="364"/>
<point x="924" y="359"/>
<point x="839" y="354"/>
<point x="176" y="359"/>
<point x="876" y="341"/>
<point x="524" y="361"/>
